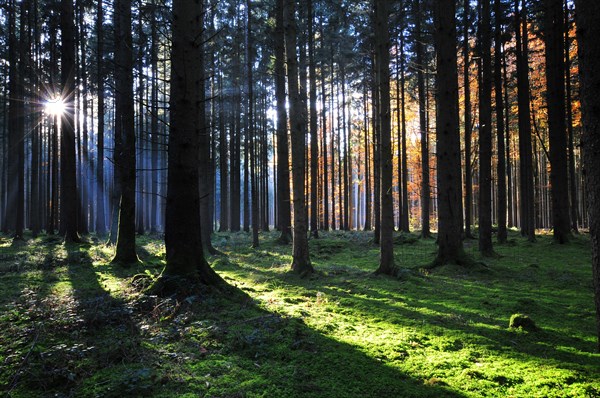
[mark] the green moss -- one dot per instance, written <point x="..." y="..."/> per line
<point x="77" y="326"/>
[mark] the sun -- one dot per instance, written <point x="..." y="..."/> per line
<point x="55" y="106"/>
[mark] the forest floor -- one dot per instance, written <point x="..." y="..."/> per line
<point x="71" y="324"/>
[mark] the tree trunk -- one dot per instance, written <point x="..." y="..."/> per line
<point x="301" y="260"/>
<point x="501" y="167"/>
<point x="450" y="248"/>
<point x="570" y="133"/>
<point x="382" y="51"/>
<point x="525" y="146"/>
<point x="183" y="240"/>
<point x="485" y="134"/>
<point x="69" y="195"/>
<point x="314" y="140"/>
<point x="284" y="217"/>
<point x="467" y="88"/>
<point x="425" y="188"/>
<point x="555" y="81"/>
<point x="588" y="31"/>
<point x="125" y="131"/>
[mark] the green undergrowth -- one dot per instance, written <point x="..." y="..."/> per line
<point x="71" y="324"/>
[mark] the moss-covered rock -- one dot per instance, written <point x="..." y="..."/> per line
<point x="522" y="321"/>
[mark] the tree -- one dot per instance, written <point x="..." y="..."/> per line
<point x="284" y="216"/>
<point x="382" y="53"/>
<point x="314" y="146"/>
<point x="420" y="59"/>
<point x="68" y="170"/>
<point x="100" y="217"/>
<point x="498" y="91"/>
<point x="467" y="88"/>
<point x="526" y="199"/>
<point x="450" y="247"/>
<point x="125" y="132"/>
<point x="555" y="81"/>
<point x="485" y="133"/>
<point x="588" y="31"/>
<point x="301" y="259"/>
<point x="184" y="252"/>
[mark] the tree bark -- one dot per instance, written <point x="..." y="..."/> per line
<point x="301" y="259"/>
<point x="125" y="130"/>
<point x="185" y="256"/>
<point x="555" y="82"/>
<point x="450" y="247"/>
<point x="69" y="195"/>
<point x="588" y="31"/>
<point x="485" y="134"/>
<point x="501" y="167"/>
<point x="382" y="50"/>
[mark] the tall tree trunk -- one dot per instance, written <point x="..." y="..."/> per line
<point x="314" y="140"/>
<point x="382" y="51"/>
<point x="183" y="240"/>
<point x="588" y="31"/>
<point x="284" y="217"/>
<point x="450" y="248"/>
<point x="125" y="131"/>
<point x="251" y="128"/>
<point x="301" y="259"/>
<point x="485" y="134"/>
<point x="100" y="211"/>
<point x="555" y="81"/>
<point x="525" y="147"/>
<point x="573" y="197"/>
<point x="69" y="195"/>
<point x="501" y="166"/>
<point x="467" y="88"/>
<point x="425" y="188"/>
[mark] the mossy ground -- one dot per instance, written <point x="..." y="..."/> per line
<point x="71" y="324"/>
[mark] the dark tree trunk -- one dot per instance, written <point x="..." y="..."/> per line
<point x="314" y="140"/>
<point x="301" y="260"/>
<point x="69" y="195"/>
<point x="284" y="217"/>
<point x="555" y="81"/>
<point x="251" y="128"/>
<point x="223" y="170"/>
<point x="588" y="32"/>
<point x="14" y="138"/>
<point x="485" y="134"/>
<point x="183" y="240"/>
<point x="450" y="248"/>
<point x="100" y="211"/>
<point x="467" y="88"/>
<point x="125" y="131"/>
<point x="501" y="167"/>
<point x="382" y="51"/>
<point x="425" y="188"/>
<point x="525" y="146"/>
<point x="573" y="197"/>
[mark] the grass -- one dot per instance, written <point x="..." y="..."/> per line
<point x="73" y="325"/>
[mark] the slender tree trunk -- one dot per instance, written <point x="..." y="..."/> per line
<point x="301" y="260"/>
<point x="450" y="248"/>
<point x="425" y="188"/>
<point x="501" y="166"/>
<point x="100" y="211"/>
<point x="485" y="134"/>
<point x="251" y="128"/>
<point x="525" y="147"/>
<point x="125" y="129"/>
<point x="570" y="133"/>
<point x="69" y="196"/>
<point x="555" y="80"/>
<point x="314" y="140"/>
<point x="382" y="46"/>
<point x="284" y="216"/>
<point x="467" y="88"/>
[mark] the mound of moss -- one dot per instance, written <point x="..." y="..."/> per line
<point x="522" y="321"/>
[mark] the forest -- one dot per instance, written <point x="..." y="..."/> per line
<point x="315" y="198"/>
